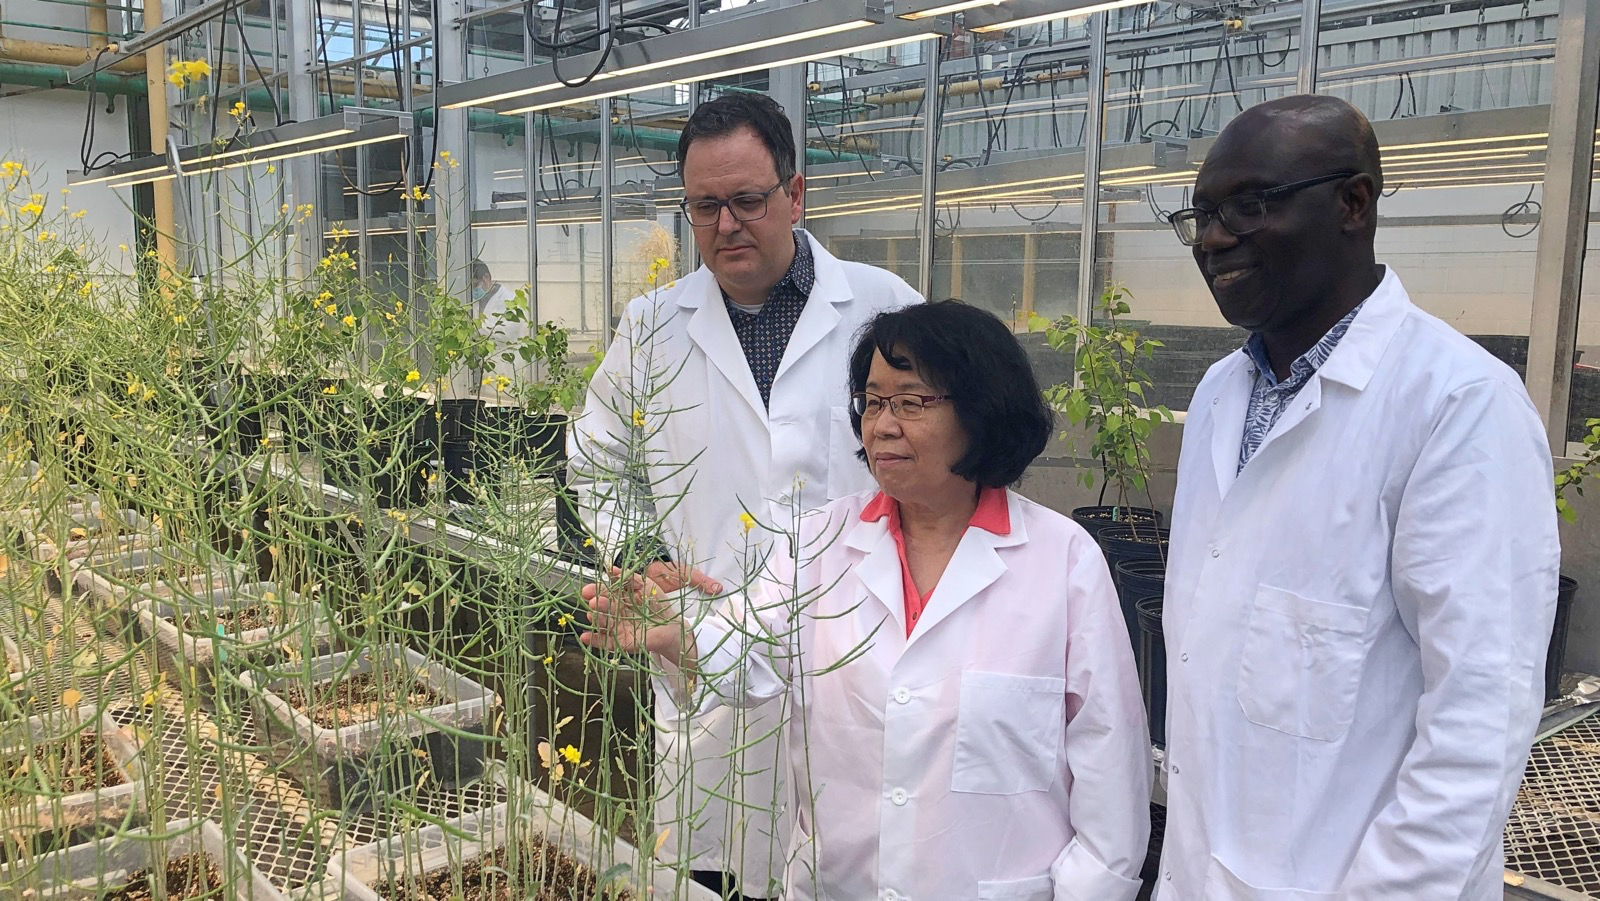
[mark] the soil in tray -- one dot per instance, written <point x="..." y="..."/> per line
<point x="189" y="877"/>
<point x="234" y="621"/>
<point x="361" y="697"/>
<point x="543" y="873"/>
<point x="90" y="768"/>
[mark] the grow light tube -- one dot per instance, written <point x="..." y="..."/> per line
<point x="998" y="20"/>
<point x="610" y="90"/>
<point x="353" y="127"/>
<point x="128" y="172"/>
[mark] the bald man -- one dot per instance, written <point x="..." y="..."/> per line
<point x="1363" y="569"/>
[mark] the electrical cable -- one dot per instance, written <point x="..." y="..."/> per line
<point x="633" y="129"/>
<point x="1526" y="205"/>
<point x="244" y="44"/>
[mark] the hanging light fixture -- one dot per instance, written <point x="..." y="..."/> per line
<point x="350" y="127"/>
<point x="1017" y="13"/>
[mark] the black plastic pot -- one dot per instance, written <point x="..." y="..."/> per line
<point x="1093" y="519"/>
<point x="1153" y="667"/>
<point x="543" y="440"/>
<point x="1123" y="543"/>
<point x="1137" y="579"/>
<point x="1566" y="594"/>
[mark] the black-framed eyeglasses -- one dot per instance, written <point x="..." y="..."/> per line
<point x="1242" y="214"/>
<point x="904" y="406"/>
<point x="744" y="207"/>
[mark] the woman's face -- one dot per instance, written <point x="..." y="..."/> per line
<point x="911" y="459"/>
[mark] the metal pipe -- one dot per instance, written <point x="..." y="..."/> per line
<point x="166" y="215"/>
<point x="1310" y="35"/>
<point x="930" y="169"/>
<point x="98" y="21"/>
<point x="691" y="257"/>
<point x="530" y="185"/>
<point x="1563" y="229"/>
<point x="65" y="28"/>
<point x="607" y="161"/>
<point x="63" y="55"/>
<point x="1087" y="289"/>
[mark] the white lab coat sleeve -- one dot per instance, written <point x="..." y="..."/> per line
<point x="605" y="450"/>
<point x="1474" y="566"/>
<point x="1108" y="743"/>
<point x="744" y="650"/>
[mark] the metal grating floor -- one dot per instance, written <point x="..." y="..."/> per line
<point x="197" y="769"/>
<point x="1554" y="830"/>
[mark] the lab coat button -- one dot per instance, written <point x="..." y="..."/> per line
<point x="902" y="695"/>
<point x="890" y="894"/>
<point x="1173" y="770"/>
<point x="899" y="797"/>
<point x="1184" y="658"/>
<point x="1215" y="553"/>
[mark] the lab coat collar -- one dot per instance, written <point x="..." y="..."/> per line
<point x="976" y="565"/>
<point x="1356" y="358"/>
<point x="712" y="330"/>
<point x="1352" y="364"/>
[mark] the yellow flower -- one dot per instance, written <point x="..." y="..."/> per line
<point x="588" y="542"/>
<point x="651" y="278"/>
<point x="746" y="521"/>
<point x="563" y="619"/>
<point x="324" y="297"/>
<point x="331" y="389"/>
<point x="416" y="193"/>
<point x="122" y="247"/>
<point x="180" y="320"/>
<point x="331" y="310"/>
<point x="349" y="321"/>
<point x="413" y="376"/>
<point x="238" y="110"/>
<point x="183" y="73"/>
<point x="549" y="660"/>
<point x="11" y="169"/>
<point x="80" y="214"/>
<point x="32" y="209"/>
<point x="501" y="383"/>
<point x="661" y="263"/>
<point x="638" y="419"/>
<point x="572" y="754"/>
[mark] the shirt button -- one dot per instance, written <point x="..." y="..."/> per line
<point x="1214" y="401"/>
<point x="1169" y="875"/>
<point x="1184" y="657"/>
<point x="890" y="894"/>
<point x="1215" y="553"/>
<point x="1174" y="770"/>
<point x="902" y="695"/>
<point x="899" y="797"/>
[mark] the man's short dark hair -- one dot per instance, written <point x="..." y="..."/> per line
<point x="969" y="354"/>
<point x="741" y="109"/>
<point x="480" y="269"/>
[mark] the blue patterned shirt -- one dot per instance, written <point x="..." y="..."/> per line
<point x="765" y="335"/>
<point x="1270" y="397"/>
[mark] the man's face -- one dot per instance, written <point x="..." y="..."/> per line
<point x="1274" y="277"/>
<point x="746" y="257"/>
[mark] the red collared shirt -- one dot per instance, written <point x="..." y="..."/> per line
<point x="992" y="515"/>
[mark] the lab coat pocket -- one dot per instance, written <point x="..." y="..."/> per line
<point x="847" y="474"/>
<point x="1301" y="666"/>
<point x="1009" y="730"/>
<point x="1223" y="885"/>
<point x="1035" y="888"/>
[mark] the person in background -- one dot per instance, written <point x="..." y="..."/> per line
<point x="965" y="718"/>
<point x="1364" y="556"/>
<point x="720" y="409"/>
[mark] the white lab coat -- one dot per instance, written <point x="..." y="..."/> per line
<point x="709" y="451"/>
<point x="1356" y="624"/>
<point x="998" y="752"/>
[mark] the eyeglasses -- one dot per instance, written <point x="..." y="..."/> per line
<point x="1241" y="214"/>
<point x="744" y="207"/>
<point x="904" y="406"/>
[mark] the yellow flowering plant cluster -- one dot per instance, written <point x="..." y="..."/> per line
<point x="183" y="73"/>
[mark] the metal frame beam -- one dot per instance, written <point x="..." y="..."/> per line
<point x="1558" y="267"/>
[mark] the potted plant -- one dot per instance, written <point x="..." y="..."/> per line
<point x="189" y="858"/>
<point x="123" y="580"/>
<point x="1107" y="399"/>
<point x="528" y="843"/>
<point x="67" y="769"/>
<point x="1569" y="481"/>
<point x="257" y="624"/>
<point x="352" y="726"/>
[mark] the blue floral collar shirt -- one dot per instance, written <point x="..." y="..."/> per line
<point x="1269" y="398"/>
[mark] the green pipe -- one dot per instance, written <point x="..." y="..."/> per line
<point x="99" y="34"/>
<point x="44" y="75"/>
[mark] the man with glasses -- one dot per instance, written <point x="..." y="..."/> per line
<point x="719" y="412"/>
<point x="1363" y="568"/>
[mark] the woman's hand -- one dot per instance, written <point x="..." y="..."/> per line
<point x="634" y="614"/>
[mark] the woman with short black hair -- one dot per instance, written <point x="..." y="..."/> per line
<point x="965" y="720"/>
